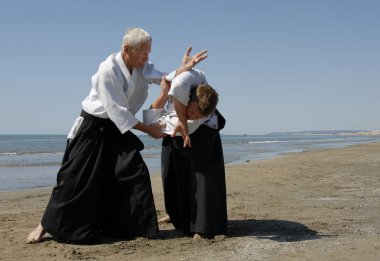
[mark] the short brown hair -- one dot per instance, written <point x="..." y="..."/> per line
<point x="207" y="98"/>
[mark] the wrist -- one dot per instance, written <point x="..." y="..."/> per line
<point x="142" y="127"/>
<point x="163" y="95"/>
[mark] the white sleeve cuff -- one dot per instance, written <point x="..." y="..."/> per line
<point x="151" y="116"/>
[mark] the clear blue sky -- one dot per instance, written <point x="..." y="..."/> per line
<point x="277" y="65"/>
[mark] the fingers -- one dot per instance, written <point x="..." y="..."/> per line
<point x="190" y="61"/>
<point x="174" y="132"/>
<point x="200" y="56"/>
<point x="187" y="142"/>
<point x="163" y="81"/>
<point x="155" y="131"/>
<point x="201" y="53"/>
<point x="199" y="59"/>
<point x="186" y="138"/>
<point x="188" y="51"/>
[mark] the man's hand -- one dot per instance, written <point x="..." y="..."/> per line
<point x="155" y="131"/>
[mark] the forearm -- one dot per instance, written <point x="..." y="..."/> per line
<point x="181" y="127"/>
<point x="142" y="127"/>
<point x="184" y="67"/>
<point x="160" y="101"/>
<point x="181" y="110"/>
<point x="180" y="70"/>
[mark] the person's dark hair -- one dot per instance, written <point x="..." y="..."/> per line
<point x="207" y="98"/>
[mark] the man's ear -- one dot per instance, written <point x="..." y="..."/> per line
<point x="125" y="48"/>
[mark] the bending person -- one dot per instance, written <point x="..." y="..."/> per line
<point x="201" y="99"/>
<point x="194" y="177"/>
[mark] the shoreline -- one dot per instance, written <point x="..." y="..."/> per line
<point x="319" y="204"/>
<point x="272" y="155"/>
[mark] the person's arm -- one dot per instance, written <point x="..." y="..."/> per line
<point x="181" y="126"/>
<point x="163" y="97"/>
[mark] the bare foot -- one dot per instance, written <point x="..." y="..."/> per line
<point x="202" y="236"/>
<point x="165" y="219"/>
<point x="36" y="235"/>
<point x="197" y="237"/>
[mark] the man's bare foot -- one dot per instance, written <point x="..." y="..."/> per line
<point x="165" y="219"/>
<point x="36" y="235"/>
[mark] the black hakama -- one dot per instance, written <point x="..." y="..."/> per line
<point x="194" y="182"/>
<point x="103" y="187"/>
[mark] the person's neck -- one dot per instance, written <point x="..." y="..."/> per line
<point x="129" y="67"/>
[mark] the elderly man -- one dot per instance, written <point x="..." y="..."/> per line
<point x="103" y="185"/>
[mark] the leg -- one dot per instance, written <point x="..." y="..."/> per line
<point x="175" y="179"/>
<point x="128" y="208"/>
<point x="208" y="189"/>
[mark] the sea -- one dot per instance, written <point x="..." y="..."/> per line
<point x="32" y="161"/>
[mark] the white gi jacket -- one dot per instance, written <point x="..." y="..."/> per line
<point x="180" y="88"/>
<point x="118" y="95"/>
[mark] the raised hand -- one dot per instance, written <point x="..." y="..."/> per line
<point x="190" y="61"/>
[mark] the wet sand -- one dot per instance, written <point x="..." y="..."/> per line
<point x="315" y="205"/>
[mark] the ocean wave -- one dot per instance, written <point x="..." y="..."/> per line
<point x="29" y="164"/>
<point x="32" y="153"/>
<point x="7" y="153"/>
<point x="151" y="155"/>
<point x="267" y="141"/>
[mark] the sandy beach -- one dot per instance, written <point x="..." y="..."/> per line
<point x="314" y="205"/>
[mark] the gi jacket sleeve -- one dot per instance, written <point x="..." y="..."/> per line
<point x="152" y="75"/>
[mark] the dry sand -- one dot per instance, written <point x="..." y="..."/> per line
<point x="316" y="205"/>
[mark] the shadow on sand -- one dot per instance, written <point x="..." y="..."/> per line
<point x="277" y="230"/>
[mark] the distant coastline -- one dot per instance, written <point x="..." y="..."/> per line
<point x="331" y="132"/>
<point x="314" y="132"/>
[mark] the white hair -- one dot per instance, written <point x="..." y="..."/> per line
<point x="134" y="37"/>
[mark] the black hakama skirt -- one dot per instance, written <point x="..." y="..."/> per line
<point x="103" y="187"/>
<point x="194" y="182"/>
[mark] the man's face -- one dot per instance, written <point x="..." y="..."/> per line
<point x="193" y="112"/>
<point x="138" y="57"/>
